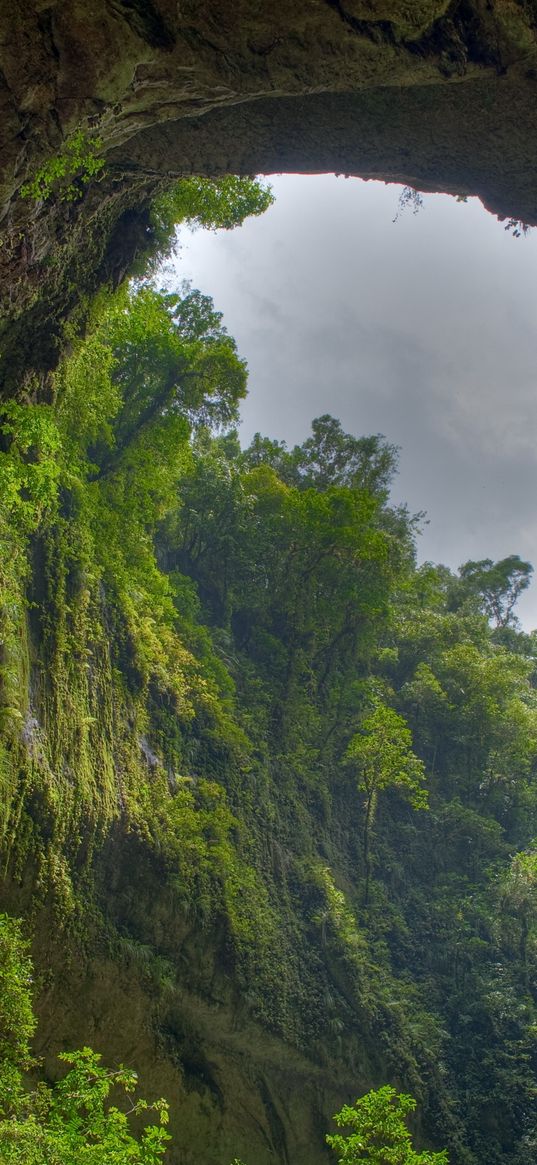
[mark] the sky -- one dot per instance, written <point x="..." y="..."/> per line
<point x="423" y="329"/>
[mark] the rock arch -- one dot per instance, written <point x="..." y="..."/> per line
<point x="440" y="94"/>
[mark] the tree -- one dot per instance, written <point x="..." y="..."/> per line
<point x="302" y="575"/>
<point x="70" y="1122"/>
<point x="173" y="361"/>
<point x="489" y="724"/>
<point x="330" y="457"/>
<point x="382" y="754"/>
<point x="497" y="586"/>
<point x="216" y="204"/>
<point x="518" y="902"/>
<point x="379" y="1134"/>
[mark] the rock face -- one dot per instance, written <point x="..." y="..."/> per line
<point x="440" y="94"/>
<point x="231" y="1085"/>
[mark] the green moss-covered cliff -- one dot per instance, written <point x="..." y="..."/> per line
<point x="267" y="790"/>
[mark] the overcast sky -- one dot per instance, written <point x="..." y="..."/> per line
<point x="424" y="329"/>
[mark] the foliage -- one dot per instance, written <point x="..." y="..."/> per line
<point x="219" y="203"/>
<point x="382" y="754"/>
<point x="215" y="204"/>
<point x="162" y="361"/>
<point x="409" y="196"/>
<point x="172" y="356"/>
<point x="17" y="1023"/>
<point x="517" y="227"/>
<point x="71" y="1121"/>
<point x="379" y="1134"/>
<point x="29" y="462"/>
<point x="518" y="907"/>
<point x="304" y="570"/>
<point x="329" y="457"/>
<point x="65" y="175"/>
<point x="102" y="612"/>
<point x="497" y="584"/>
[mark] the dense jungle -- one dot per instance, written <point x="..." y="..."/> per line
<point x="267" y="786"/>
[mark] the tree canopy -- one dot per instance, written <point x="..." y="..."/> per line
<point x="379" y="1133"/>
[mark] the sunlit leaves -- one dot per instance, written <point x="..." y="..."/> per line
<point x="218" y="203"/>
<point x="72" y="1122"/>
<point x="382" y="753"/>
<point x="29" y="461"/>
<point x="17" y="1023"/>
<point x="330" y="457"/>
<point x="379" y="1134"/>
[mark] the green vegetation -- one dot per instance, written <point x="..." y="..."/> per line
<point x="71" y="1121"/>
<point x="230" y="700"/>
<point x="65" y="175"/>
<point x="383" y="757"/>
<point x="222" y="203"/>
<point x="379" y="1134"/>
